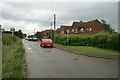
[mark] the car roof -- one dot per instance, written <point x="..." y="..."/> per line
<point x="46" y="38"/>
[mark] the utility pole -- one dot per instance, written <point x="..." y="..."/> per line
<point x="54" y="25"/>
<point x="51" y="36"/>
<point x="34" y="32"/>
<point x="0" y="51"/>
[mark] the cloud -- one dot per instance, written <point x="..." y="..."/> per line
<point x="86" y="11"/>
<point x="39" y="15"/>
<point x="59" y="0"/>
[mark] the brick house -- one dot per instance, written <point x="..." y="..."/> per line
<point x="57" y="31"/>
<point x="91" y="27"/>
<point x="63" y="29"/>
<point x="38" y="35"/>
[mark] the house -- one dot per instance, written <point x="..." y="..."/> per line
<point x="38" y="35"/>
<point x="91" y="27"/>
<point x="43" y="34"/>
<point x="57" y="31"/>
<point x="63" y="29"/>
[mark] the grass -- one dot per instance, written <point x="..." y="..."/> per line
<point x="13" y="58"/>
<point x="0" y="61"/>
<point x="91" y="49"/>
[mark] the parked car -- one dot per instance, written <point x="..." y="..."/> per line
<point x="46" y="42"/>
<point x="26" y="38"/>
<point x="34" y="39"/>
<point x="29" y="39"/>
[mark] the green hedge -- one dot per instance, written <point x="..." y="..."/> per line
<point x="102" y="40"/>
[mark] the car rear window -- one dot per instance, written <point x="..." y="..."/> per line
<point x="46" y="40"/>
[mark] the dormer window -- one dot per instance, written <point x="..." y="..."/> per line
<point x="81" y="29"/>
<point x="89" y="29"/>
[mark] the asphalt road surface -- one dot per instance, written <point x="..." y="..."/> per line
<point x="56" y="63"/>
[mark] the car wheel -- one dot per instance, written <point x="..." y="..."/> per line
<point x="40" y="45"/>
<point x="43" y="46"/>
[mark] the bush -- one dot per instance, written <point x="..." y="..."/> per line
<point x="102" y="40"/>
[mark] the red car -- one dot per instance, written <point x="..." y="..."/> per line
<point x="46" y="42"/>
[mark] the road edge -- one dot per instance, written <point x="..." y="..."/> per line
<point x="95" y="55"/>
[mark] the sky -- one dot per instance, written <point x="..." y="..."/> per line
<point x="34" y="15"/>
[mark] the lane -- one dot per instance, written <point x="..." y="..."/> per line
<point x="55" y="63"/>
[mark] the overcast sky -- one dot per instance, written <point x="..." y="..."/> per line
<point x="28" y="16"/>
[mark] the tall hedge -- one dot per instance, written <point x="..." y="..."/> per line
<point x="102" y="40"/>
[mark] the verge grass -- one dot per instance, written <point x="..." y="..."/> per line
<point x="12" y="58"/>
<point x="91" y="49"/>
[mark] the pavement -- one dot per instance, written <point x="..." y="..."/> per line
<point x="57" y="63"/>
<point x="89" y="54"/>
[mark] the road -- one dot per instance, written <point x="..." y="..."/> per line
<point x="56" y="63"/>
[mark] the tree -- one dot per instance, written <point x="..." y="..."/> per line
<point x="19" y="34"/>
<point x="107" y="26"/>
<point x="24" y="35"/>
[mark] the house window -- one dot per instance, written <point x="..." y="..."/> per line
<point x="72" y="30"/>
<point x="62" y="32"/>
<point x="89" y="29"/>
<point x="76" y="30"/>
<point x="81" y="29"/>
<point x="67" y="31"/>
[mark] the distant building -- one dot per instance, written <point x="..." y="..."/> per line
<point x="90" y="27"/>
<point x="63" y="29"/>
<point x="38" y="34"/>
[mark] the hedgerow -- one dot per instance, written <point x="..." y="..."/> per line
<point x="102" y="40"/>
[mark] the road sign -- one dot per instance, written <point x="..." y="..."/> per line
<point x="12" y="29"/>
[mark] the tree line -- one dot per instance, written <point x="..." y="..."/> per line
<point x="18" y="33"/>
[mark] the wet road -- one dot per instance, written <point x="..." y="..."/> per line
<point x="55" y="63"/>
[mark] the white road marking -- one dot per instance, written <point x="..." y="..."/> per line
<point x="29" y="48"/>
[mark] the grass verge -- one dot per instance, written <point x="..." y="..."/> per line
<point x="91" y="49"/>
<point x="13" y="58"/>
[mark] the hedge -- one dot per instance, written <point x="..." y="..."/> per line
<point x="102" y="40"/>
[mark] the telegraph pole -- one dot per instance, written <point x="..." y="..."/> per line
<point x="34" y="32"/>
<point x="0" y="51"/>
<point x="51" y="35"/>
<point x="54" y="25"/>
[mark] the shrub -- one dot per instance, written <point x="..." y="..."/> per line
<point x="102" y="40"/>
